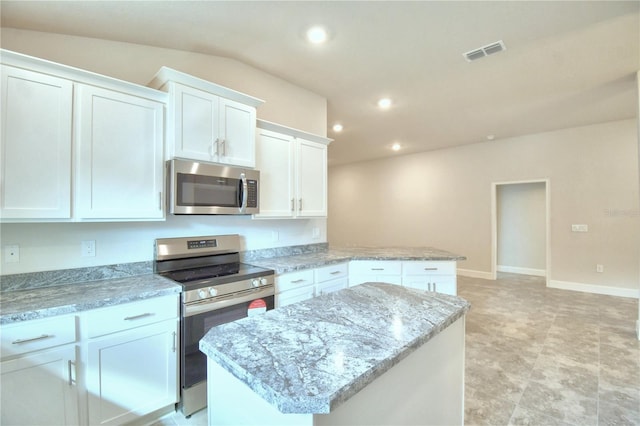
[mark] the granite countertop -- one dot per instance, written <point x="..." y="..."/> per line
<point x="35" y="303"/>
<point x="283" y="264"/>
<point x="312" y="356"/>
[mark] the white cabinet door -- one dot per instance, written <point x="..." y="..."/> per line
<point x="40" y="388"/>
<point x="312" y="179"/>
<point x="275" y="159"/>
<point x="36" y="145"/>
<point x="237" y="134"/>
<point x="208" y="127"/>
<point x="385" y="271"/>
<point x="119" y="155"/>
<point x="132" y="373"/>
<point x="438" y="276"/>
<point x="294" y="296"/>
<point x="196" y="123"/>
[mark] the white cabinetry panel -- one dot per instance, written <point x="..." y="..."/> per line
<point x="386" y="271"/>
<point x="119" y="155"/>
<point x="438" y="276"/>
<point x="36" y="145"/>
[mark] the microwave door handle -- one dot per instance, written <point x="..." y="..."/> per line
<point x="243" y="192"/>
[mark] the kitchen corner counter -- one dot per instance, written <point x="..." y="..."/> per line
<point x="284" y="264"/>
<point x="43" y="302"/>
<point x="313" y="356"/>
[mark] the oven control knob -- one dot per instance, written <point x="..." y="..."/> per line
<point x="263" y="281"/>
<point x="255" y="283"/>
<point x="202" y="294"/>
<point x="213" y="291"/>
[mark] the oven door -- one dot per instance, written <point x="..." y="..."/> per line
<point x="199" y="318"/>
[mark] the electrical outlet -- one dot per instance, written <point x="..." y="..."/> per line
<point x="599" y="268"/>
<point x="315" y="233"/>
<point x="12" y="254"/>
<point x="580" y="228"/>
<point x="88" y="248"/>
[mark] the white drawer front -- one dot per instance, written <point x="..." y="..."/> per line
<point x="292" y="280"/>
<point x="429" y="268"/>
<point x="130" y="315"/>
<point x="37" y="334"/>
<point x="294" y="296"/>
<point x="332" y="272"/>
<point x="375" y="267"/>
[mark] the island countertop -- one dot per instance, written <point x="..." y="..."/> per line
<point x="333" y="255"/>
<point x="314" y="355"/>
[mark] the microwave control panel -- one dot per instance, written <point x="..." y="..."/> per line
<point x="252" y="193"/>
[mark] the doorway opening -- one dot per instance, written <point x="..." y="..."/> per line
<point x="520" y="241"/>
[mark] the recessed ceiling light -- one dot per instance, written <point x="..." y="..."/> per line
<point x="384" y="103"/>
<point x="337" y="127"/>
<point x="396" y="146"/>
<point x="317" y="35"/>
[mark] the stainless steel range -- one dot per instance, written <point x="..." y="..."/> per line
<point x="216" y="289"/>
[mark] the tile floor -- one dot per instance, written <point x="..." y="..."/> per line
<point x="540" y="356"/>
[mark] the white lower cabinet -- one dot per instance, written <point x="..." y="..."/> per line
<point x="132" y="373"/>
<point x="438" y="276"/>
<point x="38" y="373"/>
<point x="386" y="271"/>
<point x="104" y="366"/>
<point x="294" y="287"/>
<point x="132" y="370"/>
<point x="331" y="278"/>
<point x="298" y="286"/>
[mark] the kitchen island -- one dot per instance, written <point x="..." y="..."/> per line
<point x="371" y="354"/>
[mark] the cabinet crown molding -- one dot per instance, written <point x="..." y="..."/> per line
<point x="166" y="74"/>
<point x="275" y="127"/>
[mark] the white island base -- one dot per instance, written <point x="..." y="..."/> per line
<point x="425" y="388"/>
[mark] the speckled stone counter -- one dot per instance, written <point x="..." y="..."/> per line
<point x="42" y="302"/>
<point x="313" y="356"/>
<point x="283" y="264"/>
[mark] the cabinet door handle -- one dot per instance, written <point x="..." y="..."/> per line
<point x="160" y="200"/>
<point x="71" y="366"/>
<point x="135" y="317"/>
<point x="293" y="205"/>
<point x="377" y="269"/>
<point x="434" y="287"/>
<point x="430" y="269"/>
<point x="216" y="143"/>
<point x="223" y="142"/>
<point x="297" y="281"/>
<point x="31" y="339"/>
<point x="175" y="345"/>
<point x="300" y="204"/>
<point x="335" y="272"/>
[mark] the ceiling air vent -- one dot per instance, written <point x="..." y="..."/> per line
<point x="487" y="50"/>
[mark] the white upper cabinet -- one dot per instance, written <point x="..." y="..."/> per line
<point x="118" y="155"/>
<point x="36" y="145"/>
<point x="208" y="122"/>
<point x="293" y="172"/>
<point x="58" y="119"/>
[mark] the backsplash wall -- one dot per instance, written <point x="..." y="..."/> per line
<point x="55" y="246"/>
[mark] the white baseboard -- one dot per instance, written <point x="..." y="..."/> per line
<point x="597" y="289"/>
<point x="474" y="274"/>
<point x="524" y="271"/>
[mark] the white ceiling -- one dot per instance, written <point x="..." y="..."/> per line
<point x="567" y="64"/>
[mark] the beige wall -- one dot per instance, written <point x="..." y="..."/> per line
<point x="443" y="199"/>
<point x="521" y="223"/>
<point x="51" y="246"/>
<point x="285" y="104"/>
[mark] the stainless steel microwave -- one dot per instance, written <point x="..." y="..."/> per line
<point x="205" y="188"/>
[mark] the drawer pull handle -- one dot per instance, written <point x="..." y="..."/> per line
<point x="31" y="339"/>
<point x="335" y="272"/>
<point x="377" y="269"/>
<point x="297" y="281"/>
<point x="135" y="317"/>
<point x="430" y="269"/>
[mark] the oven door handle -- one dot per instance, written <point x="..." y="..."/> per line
<point x="244" y="193"/>
<point x="228" y="300"/>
